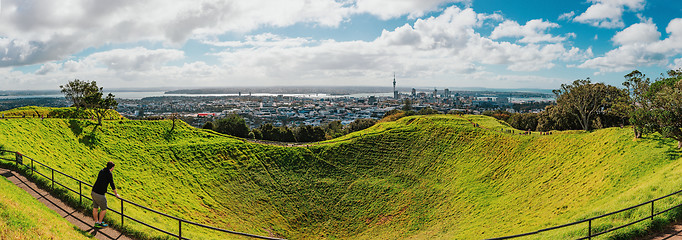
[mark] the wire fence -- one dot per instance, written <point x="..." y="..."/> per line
<point x="181" y="223"/>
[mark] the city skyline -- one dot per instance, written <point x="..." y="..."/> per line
<point x="437" y="43"/>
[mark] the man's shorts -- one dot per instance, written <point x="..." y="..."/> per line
<point x="99" y="201"/>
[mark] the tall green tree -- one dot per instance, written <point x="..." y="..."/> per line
<point x="76" y="91"/>
<point x="585" y="100"/>
<point x="407" y="104"/>
<point x="233" y="125"/>
<point x="99" y="105"/>
<point x="637" y="85"/>
<point x="661" y="107"/>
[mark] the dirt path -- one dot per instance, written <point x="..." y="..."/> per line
<point x="75" y="217"/>
<point x="673" y="232"/>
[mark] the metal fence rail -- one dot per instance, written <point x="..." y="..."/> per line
<point x="19" y="158"/>
<point x="590" y="235"/>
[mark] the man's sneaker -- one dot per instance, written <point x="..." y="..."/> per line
<point x="103" y="224"/>
<point x="98" y="225"/>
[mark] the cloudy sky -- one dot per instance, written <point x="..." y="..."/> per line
<point x="427" y="43"/>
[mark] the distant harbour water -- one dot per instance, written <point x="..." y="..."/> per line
<point x="141" y="95"/>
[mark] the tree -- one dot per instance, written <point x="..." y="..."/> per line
<point x="524" y="121"/>
<point x="98" y="104"/>
<point x="76" y="91"/>
<point x="660" y="109"/>
<point x="334" y="129"/>
<point x="208" y="125"/>
<point x="637" y="85"/>
<point x="427" y="111"/>
<point x="407" y="104"/>
<point x="307" y="133"/>
<point x="360" y="124"/>
<point x="555" y="117"/>
<point x="233" y="125"/>
<point x="174" y="117"/>
<point x="586" y="100"/>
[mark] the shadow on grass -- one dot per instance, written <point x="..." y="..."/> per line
<point x="76" y="127"/>
<point x="87" y="138"/>
<point x="169" y="135"/>
<point x="90" y="140"/>
<point x="672" y="152"/>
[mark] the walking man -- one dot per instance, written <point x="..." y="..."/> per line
<point x="99" y="190"/>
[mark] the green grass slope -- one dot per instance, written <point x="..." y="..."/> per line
<point x="24" y="217"/>
<point x="421" y="177"/>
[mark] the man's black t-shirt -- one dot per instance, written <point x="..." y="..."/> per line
<point x="104" y="178"/>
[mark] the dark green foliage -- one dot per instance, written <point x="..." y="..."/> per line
<point x="556" y="118"/>
<point x="208" y="125"/>
<point x="407" y="104"/>
<point x="427" y="111"/>
<point x="99" y="105"/>
<point x="524" y="121"/>
<point x="660" y="109"/>
<point x="232" y="125"/>
<point x="360" y="124"/>
<point x="333" y="129"/>
<point x="86" y="94"/>
<point x="77" y="91"/>
<point x="279" y="134"/>
<point x="588" y="102"/>
<point x="307" y="133"/>
<point x="256" y="134"/>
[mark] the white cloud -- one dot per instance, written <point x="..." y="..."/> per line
<point x="677" y="64"/>
<point x="645" y="32"/>
<point x="566" y="16"/>
<point x="446" y="49"/>
<point x="135" y="59"/>
<point x="262" y="40"/>
<point x="435" y="46"/>
<point x="47" y="68"/>
<point x="608" y="13"/>
<point x="45" y="30"/>
<point x="386" y="9"/>
<point x="639" y="47"/>
<point x="533" y="31"/>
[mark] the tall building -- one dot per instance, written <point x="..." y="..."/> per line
<point x="414" y="92"/>
<point x="435" y="92"/>
<point x="395" y="93"/>
<point x="447" y="93"/>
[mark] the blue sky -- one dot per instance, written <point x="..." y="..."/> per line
<point x="427" y="43"/>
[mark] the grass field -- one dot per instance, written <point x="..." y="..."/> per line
<point x="420" y="177"/>
<point x="24" y="217"/>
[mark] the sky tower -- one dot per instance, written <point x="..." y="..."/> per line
<point x="395" y="93"/>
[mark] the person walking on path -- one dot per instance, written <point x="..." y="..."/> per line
<point x="99" y="191"/>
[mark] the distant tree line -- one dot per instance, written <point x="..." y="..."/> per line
<point x="649" y="106"/>
<point x="236" y="126"/>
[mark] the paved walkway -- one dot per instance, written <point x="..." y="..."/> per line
<point x="75" y="217"/>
